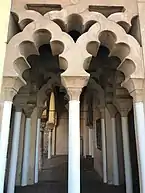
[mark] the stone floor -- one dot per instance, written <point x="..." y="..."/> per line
<point x="53" y="179"/>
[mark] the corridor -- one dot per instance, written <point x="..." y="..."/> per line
<point x="53" y="178"/>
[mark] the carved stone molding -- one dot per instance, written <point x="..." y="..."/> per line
<point x="112" y="110"/>
<point x="74" y="85"/>
<point x="123" y="105"/>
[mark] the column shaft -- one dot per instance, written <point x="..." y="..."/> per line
<point x="90" y="142"/>
<point x="127" y="161"/>
<point x="37" y="151"/>
<point x="74" y="147"/>
<point x="14" y="153"/>
<point x="104" y="150"/>
<point x="49" y="144"/>
<point x="4" y="136"/>
<point x="115" y="155"/>
<point x="140" y="141"/>
<point x="25" y="166"/>
<point x="86" y="140"/>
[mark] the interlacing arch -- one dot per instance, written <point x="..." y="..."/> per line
<point x="28" y="42"/>
<point x="62" y="17"/>
<point x="99" y="31"/>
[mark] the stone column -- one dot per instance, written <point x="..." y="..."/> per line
<point x="54" y="141"/>
<point x="104" y="148"/>
<point x="124" y="106"/>
<point x="49" y="144"/>
<point x="139" y="118"/>
<point x="91" y="149"/>
<point x="49" y="127"/>
<point x="7" y="95"/>
<point x="4" y="136"/>
<point x="74" y="87"/>
<point x="42" y="127"/>
<point x="37" y="151"/>
<point x="85" y="132"/>
<point x="37" y="145"/>
<point x="14" y="151"/>
<point x="112" y="110"/>
<point x="25" y="165"/>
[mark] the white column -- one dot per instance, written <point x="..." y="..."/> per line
<point x="86" y="139"/>
<point x="49" y="144"/>
<point x="104" y="150"/>
<point x="139" y="117"/>
<point x="14" y="152"/>
<point x="115" y="154"/>
<point x="113" y="111"/>
<point x="4" y="136"/>
<point x="25" y="165"/>
<point x="74" y="147"/>
<point x="90" y="142"/>
<point x="37" y="151"/>
<point x="127" y="161"/>
<point x="74" y="85"/>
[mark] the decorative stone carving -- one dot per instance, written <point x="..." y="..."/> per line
<point x="10" y="87"/>
<point x="112" y="110"/>
<point x="74" y="85"/>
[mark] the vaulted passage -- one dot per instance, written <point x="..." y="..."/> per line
<point x="73" y="103"/>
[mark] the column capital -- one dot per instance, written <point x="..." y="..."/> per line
<point x="135" y="86"/>
<point x="97" y="114"/>
<point x="49" y="126"/>
<point x="102" y="111"/>
<point x="112" y="110"/>
<point x="138" y="95"/>
<point x="74" y="85"/>
<point x="10" y="87"/>
<point x="123" y="105"/>
<point x="8" y="94"/>
<point x="39" y="111"/>
<point x="28" y="110"/>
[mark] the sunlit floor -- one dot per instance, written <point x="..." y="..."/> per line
<point x="53" y="179"/>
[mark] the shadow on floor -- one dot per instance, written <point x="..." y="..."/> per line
<point x="53" y="179"/>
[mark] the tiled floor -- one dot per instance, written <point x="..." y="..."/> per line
<point x="53" y="179"/>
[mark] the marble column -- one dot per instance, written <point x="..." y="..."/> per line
<point x="139" y="119"/>
<point x="49" y="127"/>
<point x="104" y="148"/>
<point x="49" y="144"/>
<point x="54" y="141"/>
<point x="37" y="151"/>
<point x="124" y="106"/>
<point x="85" y="132"/>
<point x="42" y="128"/>
<point x="14" y="151"/>
<point x="112" y="110"/>
<point x="4" y="136"/>
<point x="74" y="147"/>
<point x="25" y="165"/>
<point x="91" y="136"/>
<point x="74" y="87"/>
